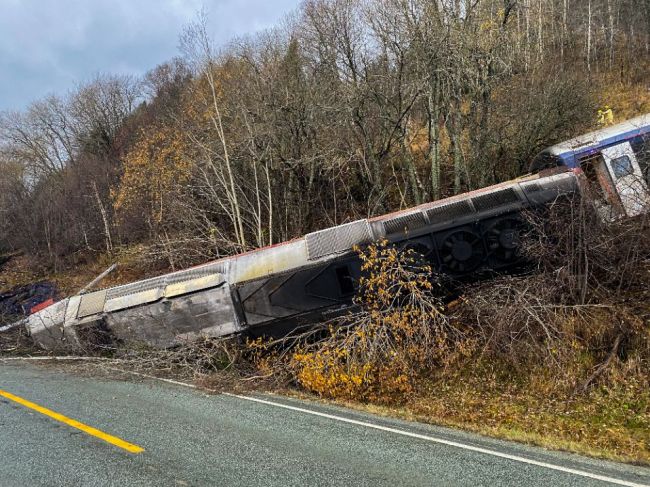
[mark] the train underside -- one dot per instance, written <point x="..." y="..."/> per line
<point x="274" y="290"/>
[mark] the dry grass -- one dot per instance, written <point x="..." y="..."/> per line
<point x="627" y="99"/>
<point x="611" y="422"/>
<point x="16" y="342"/>
<point x="598" y="425"/>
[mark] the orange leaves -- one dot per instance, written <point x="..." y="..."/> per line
<point x="155" y="168"/>
<point x="325" y="373"/>
<point x="329" y="374"/>
<point x="377" y="353"/>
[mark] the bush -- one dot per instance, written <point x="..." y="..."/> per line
<point x="400" y="331"/>
<point x="585" y="307"/>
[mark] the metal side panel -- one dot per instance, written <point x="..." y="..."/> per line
<point x="549" y="188"/>
<point x="46" y="326"/>
<point x="170" y="322"/>
<point x="91" y="304"/>
<point x="268" y="261"/>
<point x="72" y="309"/>
<point x="136" y="299"/>
<point x="338" y="239"/>
<point x="193" y="285"/>
<point x="307" y="291"/>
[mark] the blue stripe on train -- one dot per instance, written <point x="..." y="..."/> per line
<point x="571" y="157"/>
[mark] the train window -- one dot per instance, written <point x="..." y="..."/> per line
<point x="641" y="147"/>
<point x="345" y="280"/>
<point x="622" y="166"/>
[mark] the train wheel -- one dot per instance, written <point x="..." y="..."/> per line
<point x="462" y="251"/>
<point x="503" y="240"/>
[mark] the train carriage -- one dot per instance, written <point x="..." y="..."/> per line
<point x="615" y="161"/>
<point x="276" y="289"/>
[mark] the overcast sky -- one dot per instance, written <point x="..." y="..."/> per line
<point x="49" y="46"/>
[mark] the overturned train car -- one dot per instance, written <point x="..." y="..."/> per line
<point x="279" y="288"/>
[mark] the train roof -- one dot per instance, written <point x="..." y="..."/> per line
<point x="305" y="250"/>
<point x="606" y="136"/>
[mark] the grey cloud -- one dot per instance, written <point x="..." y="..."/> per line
<point x="49" y="46"/>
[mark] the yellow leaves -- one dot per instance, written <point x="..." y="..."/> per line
<point x="377" y="353"/>
<point x="154" y="168"/>
<point x="325" y="373"/>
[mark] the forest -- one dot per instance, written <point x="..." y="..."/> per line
<point x="347" y="109"/>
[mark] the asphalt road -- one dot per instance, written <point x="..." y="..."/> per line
<point x="192" y="438"/>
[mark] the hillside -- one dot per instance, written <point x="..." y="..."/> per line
<point x="346" y="110"/>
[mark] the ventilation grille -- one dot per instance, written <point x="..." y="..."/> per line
<point x="449" y="212"/>
<point x="337" y="239"/>
<point x="491" y="201"/>
<point x="136" y="287"/>
<point x="188" y="275"/>
<point x="532" y="188"/>
<point x="91" y="304"/>
<point x="404" y="223"/>
<point x="163" y="281"/>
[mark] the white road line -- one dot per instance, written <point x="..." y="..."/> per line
<point x="495" y="453"/>
<point x="342" y="419"/>
<point x="169" y="381"/>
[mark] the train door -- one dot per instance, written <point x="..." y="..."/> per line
<point x="601" y="187"/>
<point x="628" y="179"/>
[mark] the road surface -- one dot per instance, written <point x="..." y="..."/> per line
<point x="59" y="429"/>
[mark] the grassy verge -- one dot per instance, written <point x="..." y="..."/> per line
<point x="607" y="422"/>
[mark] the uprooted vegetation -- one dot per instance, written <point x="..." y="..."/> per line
<point x="562" y="355"/>
<point x="376" y="353"/>
<point x="558" y="356"/>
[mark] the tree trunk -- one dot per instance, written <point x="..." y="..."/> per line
<point x="454" y="137"/>
<point x="434" y="139"/>
<point x="102" y="211"/>
<point x="589" y="36"/>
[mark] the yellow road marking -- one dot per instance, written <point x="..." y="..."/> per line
<point x="75" y="424"/>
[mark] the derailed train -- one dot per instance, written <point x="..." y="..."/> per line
<point x="279" y="288"/>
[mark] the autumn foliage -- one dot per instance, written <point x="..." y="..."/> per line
<point x="347" y="109"/>
<point x="154" y="170"/>
<point x="378" y="352"/>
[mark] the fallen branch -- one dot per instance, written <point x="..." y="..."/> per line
<point x="602" y="367"/>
